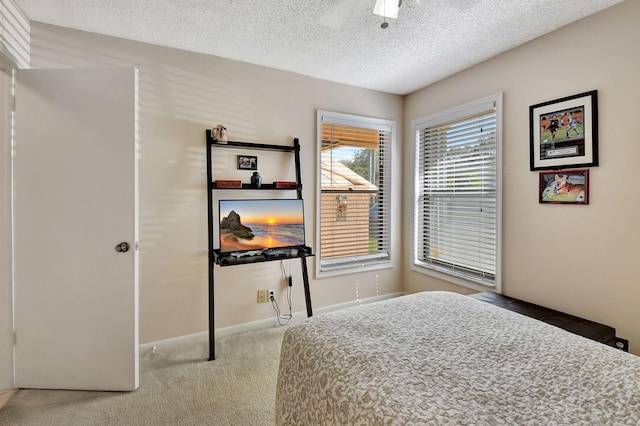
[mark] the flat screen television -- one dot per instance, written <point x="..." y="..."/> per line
<point x="253" y="225"/>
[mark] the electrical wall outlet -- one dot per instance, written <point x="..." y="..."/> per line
<point x="265" y="296"/>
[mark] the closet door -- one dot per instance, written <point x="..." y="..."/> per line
<point x="75" y="202"/>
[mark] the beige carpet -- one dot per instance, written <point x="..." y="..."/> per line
<point x="178" y="386"/>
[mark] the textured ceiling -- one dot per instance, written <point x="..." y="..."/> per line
<point x="336" y="40"/>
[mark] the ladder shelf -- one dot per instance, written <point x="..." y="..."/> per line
<point x="225" y="259"/>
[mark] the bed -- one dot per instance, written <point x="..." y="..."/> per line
<point x="446" y="359"/>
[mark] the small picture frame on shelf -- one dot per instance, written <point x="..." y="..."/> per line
<point x="247" y="162"/>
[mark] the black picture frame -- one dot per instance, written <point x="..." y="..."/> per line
<point x="247" y="162"/>
<point x="564" y="132"/>
<point x="564" y="187"/>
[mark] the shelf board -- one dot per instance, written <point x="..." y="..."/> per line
<point x="265" y="186"/>
<point x="251" y="145"/>
<point x="228" y="260"/>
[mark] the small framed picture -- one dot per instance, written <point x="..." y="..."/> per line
<point x="247" y="162"/>
<point x="564" y="132"/>
<point x="564" y="187"/>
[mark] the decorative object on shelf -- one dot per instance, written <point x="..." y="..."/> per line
<point x="285" y="185"/>
<point x="228" y="184"/>
<point x="564" y="187"/>
<point x="564" y="132"/>
<point x="247" y="162"/>
<point x="219" y="133"/>
<point x="256" y="180"/>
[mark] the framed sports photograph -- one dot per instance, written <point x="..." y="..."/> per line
<point x="564" y="187"/>
<point x="247" y="162"/>
<point x="564" y="132"/>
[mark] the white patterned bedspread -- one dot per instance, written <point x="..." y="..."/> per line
<point x="439" y="358"/>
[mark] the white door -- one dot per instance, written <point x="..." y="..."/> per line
<point x="75" y="201"/>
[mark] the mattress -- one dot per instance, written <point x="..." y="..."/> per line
<point x="441" y="358"/>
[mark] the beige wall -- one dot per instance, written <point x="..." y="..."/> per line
<point x="182" y="94"/>
<point x="584" y="260"/>
<point x="579" y="259"/>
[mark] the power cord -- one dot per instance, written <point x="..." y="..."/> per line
<point x="283" y="319"/>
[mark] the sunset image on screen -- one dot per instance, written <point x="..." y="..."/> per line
<point x="266" y="212"/>
<point x="258" y="224"/>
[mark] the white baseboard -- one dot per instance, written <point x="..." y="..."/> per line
<point x="258" y="325"/>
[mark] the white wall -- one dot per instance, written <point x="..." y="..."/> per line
<point x="181" y="95"/>
<point x="584" y="260"/>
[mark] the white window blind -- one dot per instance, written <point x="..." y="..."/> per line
<point x="354" y="193"/>
<point x="457" y="194"/>
<point x="15" y="38"/>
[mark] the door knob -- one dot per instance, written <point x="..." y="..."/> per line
<point x="122" y="247"/>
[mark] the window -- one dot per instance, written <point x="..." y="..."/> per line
<point x="457" y="194"/>
<point x="354" y="193"/>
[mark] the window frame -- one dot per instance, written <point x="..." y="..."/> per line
<point x="389" y="165"/>
<point x="436" y="119"/>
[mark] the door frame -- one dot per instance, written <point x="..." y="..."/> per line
<point x="7" y="376"/>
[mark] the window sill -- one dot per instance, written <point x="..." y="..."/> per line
<point x="353" y="270"/>
<point x="456" y="279"/>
